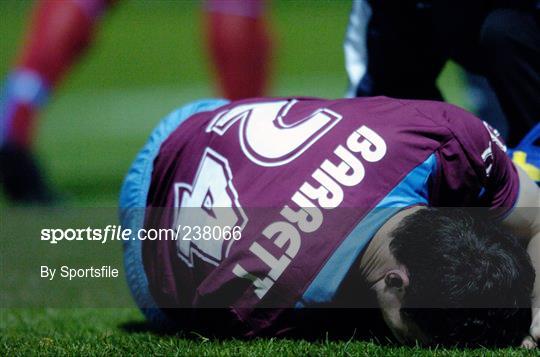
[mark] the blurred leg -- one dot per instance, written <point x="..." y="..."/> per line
<point x="403" y="59"/>
<point x="485" y="102"/>
<point x="355" y="45"/>
<point x="511" y="41"/>
<point x="58" y="33"/>
<point x="240" y="46"/>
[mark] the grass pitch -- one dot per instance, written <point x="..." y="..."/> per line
<point x="148" y="59"/>
<point x="121" y="332"/>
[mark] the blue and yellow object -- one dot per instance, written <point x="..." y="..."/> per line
<point x="527" y="154"/>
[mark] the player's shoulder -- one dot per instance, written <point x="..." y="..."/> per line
<point x="463" y="125"/>
<point x="441" y="113"/>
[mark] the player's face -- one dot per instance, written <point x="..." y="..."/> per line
<point x="390" y="293"/>
<point x="403" y="328"/>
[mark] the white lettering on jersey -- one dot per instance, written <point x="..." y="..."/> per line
<point x="211" y="201"/>
<point x="487" y="154"/>
<point x="308" y="218"/>
<point x="487" y="157"/>
<point x="349" y="172"/>
<point x="264" y="136"/>
<point x="495" y="136"/>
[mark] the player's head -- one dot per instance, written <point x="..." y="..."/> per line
<point x="463" y="280"/>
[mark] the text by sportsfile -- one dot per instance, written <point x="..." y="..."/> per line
<point x="118" y="233"/>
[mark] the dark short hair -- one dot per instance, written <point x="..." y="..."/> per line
<point x="470" y="280"/>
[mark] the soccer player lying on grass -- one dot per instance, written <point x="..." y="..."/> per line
<point x="288" y="204"/>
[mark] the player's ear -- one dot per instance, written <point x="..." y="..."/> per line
<point x="396" y="279"/>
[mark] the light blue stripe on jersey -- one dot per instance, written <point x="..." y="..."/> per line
<point x="412" y="190"/>
<point x="133" y="197"/>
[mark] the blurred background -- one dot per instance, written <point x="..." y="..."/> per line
<point x="150" y="57"/>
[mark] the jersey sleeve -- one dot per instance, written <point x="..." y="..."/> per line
<point x="473" y="167"/>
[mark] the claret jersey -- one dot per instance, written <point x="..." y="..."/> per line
<point x="275" y="199"/>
